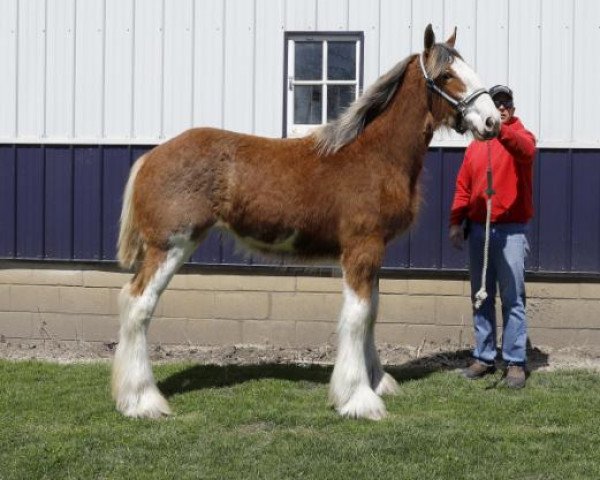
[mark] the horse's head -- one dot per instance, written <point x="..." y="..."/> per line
<point x="457" y="96"/>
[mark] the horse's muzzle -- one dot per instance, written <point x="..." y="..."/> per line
<point x="492" y="128"/>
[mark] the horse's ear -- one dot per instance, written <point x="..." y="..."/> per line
<point x="429" y="37"/>
<point x="452" y="38"/>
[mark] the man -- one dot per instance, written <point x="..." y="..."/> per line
<point x="511" y="155"/>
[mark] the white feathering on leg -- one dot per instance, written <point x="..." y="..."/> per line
<point x="381" y="382"/>
<point x="350" y="389"/>
<point x="133" y="385"/>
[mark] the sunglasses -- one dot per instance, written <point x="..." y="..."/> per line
<point x="506" y="103"/>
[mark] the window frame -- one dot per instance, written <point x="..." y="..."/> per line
<point x="288" y="81"/>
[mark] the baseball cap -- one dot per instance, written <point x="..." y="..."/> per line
<point x="497" y="89"/>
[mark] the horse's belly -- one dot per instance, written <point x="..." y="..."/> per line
<point x="283" y="244"/>
<point x="293" y="242"/>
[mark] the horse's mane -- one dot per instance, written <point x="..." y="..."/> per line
<point x="334" y="135"/>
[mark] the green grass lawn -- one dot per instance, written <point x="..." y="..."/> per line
<point x="58" y="422"/>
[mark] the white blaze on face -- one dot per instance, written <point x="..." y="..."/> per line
<point x="482" y="108"/>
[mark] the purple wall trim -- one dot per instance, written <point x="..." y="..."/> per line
<point x="63" y="203"/>
<point x="58" y="221"/>
<point x="87" y="195"/>
<point x="29" y="182"/>
<point x="8" y="201"/>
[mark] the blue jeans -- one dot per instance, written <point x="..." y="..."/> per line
<point x="506" y="267"/>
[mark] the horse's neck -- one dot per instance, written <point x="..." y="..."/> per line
<point x="406" y="126"/>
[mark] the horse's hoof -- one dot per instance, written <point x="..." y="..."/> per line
<point x="364" y="403"/>
<point x="150" y="404"/>
<point x="387" y="385"/>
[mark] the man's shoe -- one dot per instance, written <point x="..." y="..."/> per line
<point x="515" y="376"/>
<point x="477" y="370"/>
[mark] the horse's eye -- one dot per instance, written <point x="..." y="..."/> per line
<point x="445" y="77"/>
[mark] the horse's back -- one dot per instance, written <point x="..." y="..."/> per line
<point x="207" y="145"/>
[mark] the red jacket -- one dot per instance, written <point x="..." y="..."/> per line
<point x="512" y="153"/>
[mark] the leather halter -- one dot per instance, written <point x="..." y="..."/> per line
<point x="460" y="106"/>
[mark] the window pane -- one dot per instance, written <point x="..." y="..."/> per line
<point x="341" y="60"/>
<point x="307" y="104"/>
<point x="308" y="61"/>
<point x="338" y="98"/>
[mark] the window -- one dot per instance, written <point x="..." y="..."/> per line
<point x="323" y="77"/>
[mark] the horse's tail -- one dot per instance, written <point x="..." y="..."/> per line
<point x="130" y="243"/>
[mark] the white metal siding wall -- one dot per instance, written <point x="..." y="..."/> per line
<point x="140" y="71"/>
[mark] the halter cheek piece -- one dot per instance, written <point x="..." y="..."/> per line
<point x="459" y="106"/>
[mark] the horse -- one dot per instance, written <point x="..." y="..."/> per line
<point x="342" y="192"/>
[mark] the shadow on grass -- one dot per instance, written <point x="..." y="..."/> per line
<point x="199" y="377"/>
<point x="457" y="359"/>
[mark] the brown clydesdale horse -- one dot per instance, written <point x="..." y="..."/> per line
<point x="344" y="191"/>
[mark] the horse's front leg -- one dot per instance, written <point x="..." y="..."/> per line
<point x="350" y="389"/>
<point x="381" y="382"/>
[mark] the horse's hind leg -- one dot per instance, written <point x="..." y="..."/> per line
<point x="383" y="383"/>
<point x="133" y="386"/>
<point x="350" y="389"/>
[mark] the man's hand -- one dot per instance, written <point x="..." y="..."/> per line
<point x="456" y="236"/>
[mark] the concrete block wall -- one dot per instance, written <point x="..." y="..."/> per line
<point x="41" y="302"/>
